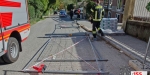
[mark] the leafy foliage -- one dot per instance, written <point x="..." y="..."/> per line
<point x="148" y="7"/>
<point x="52" y="1"/>
<point x="39" y="5"/>
<point x="70" y="6"/>
<point x="30" y="1"/>
<point x="47" y="13"/>
<point x="89" y="6"/>
<point x="79" y="0"/>
<point x="38" y="8"/>
<point x="31" y="11"/>
<point x="38" y="13"/>
<point x="45" y="4"/>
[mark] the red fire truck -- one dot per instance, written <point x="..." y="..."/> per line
<point x="14" y="28"/>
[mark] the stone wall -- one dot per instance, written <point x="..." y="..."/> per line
<point x="138" y="29"/>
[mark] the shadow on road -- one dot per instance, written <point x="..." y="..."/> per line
<point x="8" y="72"/>
<point x="2" y="62"/>
<point x="69" y="50"/>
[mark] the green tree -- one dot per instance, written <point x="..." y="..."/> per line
<point x="89" y="6"/>
<point x="31" y="2"/>
<point x="31" y="10"/>
<point x="70" y="6"/>
<point x="45" y="4"/>
<point x="79" y="0"/>
<point x="46" y="7"/>
<point x="39" y="8"/>
<point x="38" y="13"/>
<point x="52" y="3"/>
<point x="62" y="5"/>
<point x="39" y="5"/>
<point x="148" y="7"/>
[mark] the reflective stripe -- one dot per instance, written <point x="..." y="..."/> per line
<point x="96" y="19"/>
<point x="103" y="10"/>
<point x="98" y="29"/>
<point x="98" y="7"/>
<point x="94" y="32"/>
<point x="95" y="14"/>
<point x="92" y="10"/>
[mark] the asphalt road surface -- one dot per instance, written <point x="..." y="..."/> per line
<point x="117" y="62"/>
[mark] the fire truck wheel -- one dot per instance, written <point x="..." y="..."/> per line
<point x="13" y="51"/>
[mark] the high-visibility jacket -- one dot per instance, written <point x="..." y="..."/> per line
<point x="98" y="13"/>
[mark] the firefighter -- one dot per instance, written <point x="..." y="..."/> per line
<point x="71" y="14"/>
<point x="98" y="14"/>
<point x="78" y="14"/>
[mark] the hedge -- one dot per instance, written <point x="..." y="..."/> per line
<point x="37" y="8"/>
<point x="70" y="6"/>
<point x="31" y="11"/>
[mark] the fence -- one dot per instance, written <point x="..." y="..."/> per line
<point x="140" y="12"/>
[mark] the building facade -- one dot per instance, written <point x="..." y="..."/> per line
<point x="114" y="9"/>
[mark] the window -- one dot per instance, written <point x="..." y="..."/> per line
<point x="110" y="3"/>
<point x="109" y="14"/>
<point x="119" y="4"/>
<point x="107" y="3"/>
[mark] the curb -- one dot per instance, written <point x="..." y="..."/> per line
<point x="110" y="43"/>
<point x="117" y="46"/>
<point x="138" y="66"/>
<point x="87" y="29"/>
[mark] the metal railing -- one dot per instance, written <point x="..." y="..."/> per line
<point x="147" y="50"/>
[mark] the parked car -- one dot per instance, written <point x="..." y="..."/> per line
<point x="63" y="13"/>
